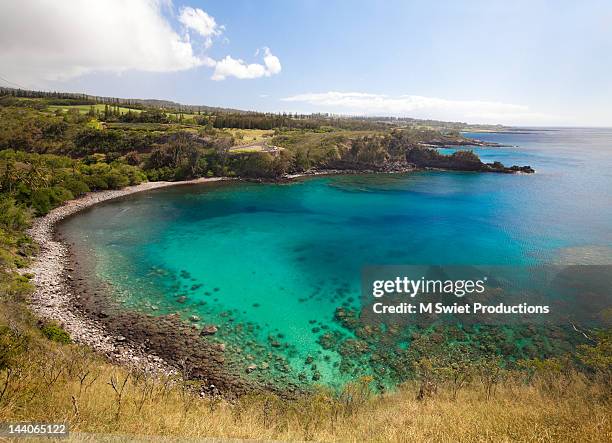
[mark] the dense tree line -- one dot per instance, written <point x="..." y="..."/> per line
<point x="43" y="181"/>
<point x="314" y="122"/>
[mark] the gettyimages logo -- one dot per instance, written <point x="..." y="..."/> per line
<point x="486" y="294"/>
<point x="411" y="287"/>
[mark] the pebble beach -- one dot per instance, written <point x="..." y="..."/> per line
<point x="53" y="298"/>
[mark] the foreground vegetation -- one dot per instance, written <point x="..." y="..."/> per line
<point x="53" y="149"/>
<point x="553" y="400"/>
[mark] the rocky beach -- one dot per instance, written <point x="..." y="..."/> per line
<point x="54" y="297"/>
<point x="67" y="293"/>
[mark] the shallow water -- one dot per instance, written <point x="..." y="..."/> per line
<point x="270" y="263"/>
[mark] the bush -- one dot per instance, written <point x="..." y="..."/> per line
<point x="12" y="216"/>
<point x="133" y="158"/>
<point x="96" y="182"/>
<point x="12" y="343"/>
<point x="76" y="186"/>
<point x="115" y="180"/>
<point x="45" y="199"/>
<point x="56" y="333"/>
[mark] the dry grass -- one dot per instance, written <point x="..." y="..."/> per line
<point x="66" y="383"/>
<point x="249" y="136"/>
<point x="41" y="380"/>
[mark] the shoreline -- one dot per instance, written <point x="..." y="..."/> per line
<point x="58" y="296"/>
<point x="53" y="298"/>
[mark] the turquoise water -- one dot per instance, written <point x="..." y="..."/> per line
<point x="270" y="263"/>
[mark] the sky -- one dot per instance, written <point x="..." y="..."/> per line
<point x="536" y="63"/>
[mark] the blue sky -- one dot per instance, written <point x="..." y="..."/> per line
<point x="520" y="62"/>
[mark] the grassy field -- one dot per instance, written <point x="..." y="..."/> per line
<point x="84" y="109"/>
<point x="151" y="127"/>
<point x="94" y="397"/>
<point x="247" y="149"/>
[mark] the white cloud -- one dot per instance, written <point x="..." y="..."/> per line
<point x="273" y="65"/>
<point x="231" y="67"/>
<point x="200" y="22"/>
<point x="50" y="40"/>
<point x="419" y="107"/>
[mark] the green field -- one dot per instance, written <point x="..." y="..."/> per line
<point x="84" y="109"/>
<point x="249" y="136"/>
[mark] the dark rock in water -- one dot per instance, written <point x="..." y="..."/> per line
<point x="458" y="161"/>
<point x="209" y="330"/>
<point x="275" y="344"/>
<point x="181" y="299"/>
<point x="256" y="305"/>
<point x="499" y="167"/>
<point x="216" y="289"/>
<point x="309" y="360"/>
<point x="316" y="376"/>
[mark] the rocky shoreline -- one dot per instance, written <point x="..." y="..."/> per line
<point x="67" y="293"/>
<point x="53" y="298"/>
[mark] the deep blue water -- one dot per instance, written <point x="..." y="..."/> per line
<point x="279" y="258"/>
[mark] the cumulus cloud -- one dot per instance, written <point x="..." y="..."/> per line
<point x="418" y="106"/>
<point x="231" y="67"/>
<point x="49" y="40"/>
<point x="200" y="22"/>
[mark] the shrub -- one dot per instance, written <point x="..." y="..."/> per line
<point x="12" y="216"/>
<point x="76" y="186"/>
<point x="96" y="182"/>
<point x="12" y="343"/>
<point x="45" y="199"/>
<point x="56" y="333"/>
<point x="133" y="158"/>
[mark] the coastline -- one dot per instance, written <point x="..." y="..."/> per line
<point x="53" y="297"/>
<point x="61" y="295"/>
